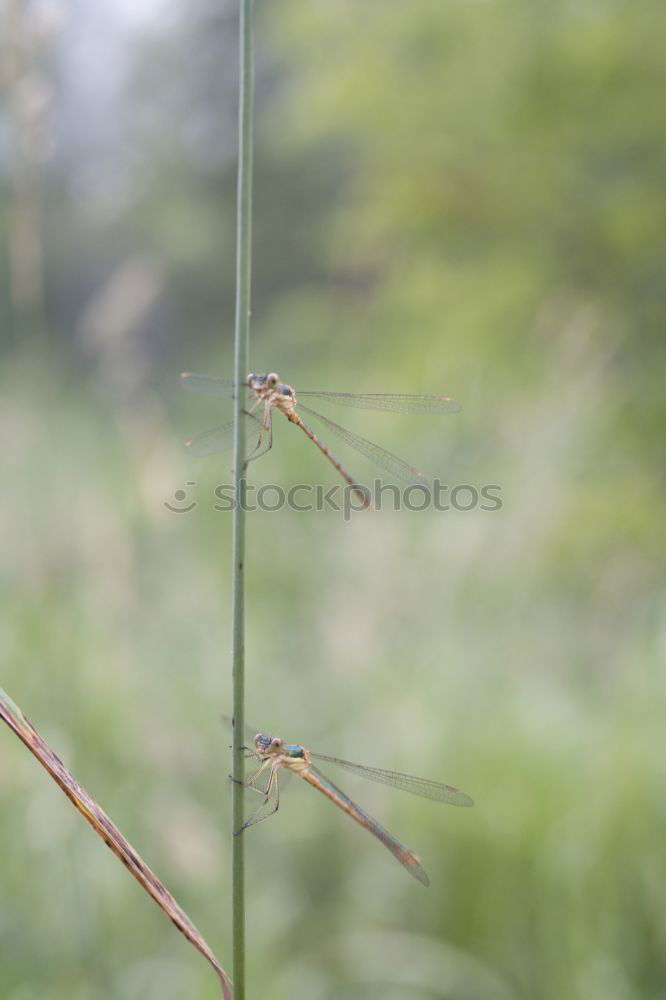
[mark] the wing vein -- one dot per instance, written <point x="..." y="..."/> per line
<point x="408" y="783"/>
<point x="394" y="402"/>
<point x="380" y="456"/>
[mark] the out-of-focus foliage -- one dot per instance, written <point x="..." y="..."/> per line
<point x="459" y="197"/>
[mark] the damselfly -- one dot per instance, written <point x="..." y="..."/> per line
<point x="267" y="390"/>
<point x="274" y="755"/>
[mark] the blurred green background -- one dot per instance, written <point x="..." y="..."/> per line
<point x="449" y="197"/>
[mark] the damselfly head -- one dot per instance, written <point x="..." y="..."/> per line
<point x="255" y="381"/>
<point x="267" y="744"/>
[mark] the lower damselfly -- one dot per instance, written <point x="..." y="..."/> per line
<point x="274" y="755"/>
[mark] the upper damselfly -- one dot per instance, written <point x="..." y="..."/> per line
<point x="267" y="393"/>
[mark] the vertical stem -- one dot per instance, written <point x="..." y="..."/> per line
<point x="242" y="326"/>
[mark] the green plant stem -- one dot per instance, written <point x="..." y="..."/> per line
<point x="242" y="328"/>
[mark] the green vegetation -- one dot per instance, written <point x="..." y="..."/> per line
<point x="456" y="197"/>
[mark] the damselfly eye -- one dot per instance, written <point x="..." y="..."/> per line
<point x="272" y="380"/>
<point x="275" y="742"/>
<point x="250" y="379"/>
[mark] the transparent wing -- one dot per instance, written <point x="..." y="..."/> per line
<point x="380" y="456"/>
<point x="213" y="441"/>
<point x="211" y="385"/>
<point x="207" y="385"/>
<point x="417" y="786"/>
<point x="217" y="439"/>
<point x="393" y="401"/>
